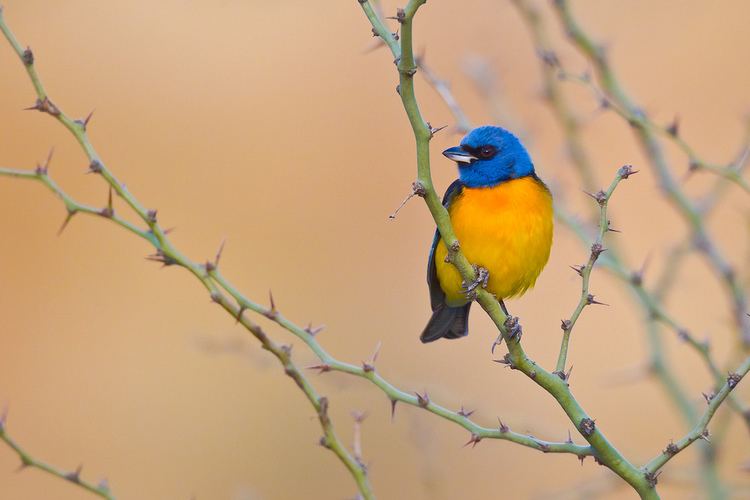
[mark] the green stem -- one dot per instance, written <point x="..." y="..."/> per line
<point x="517" y="359"/>
<point x="101" y="490"/>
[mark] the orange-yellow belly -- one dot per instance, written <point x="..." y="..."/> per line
<point x="507" y="229"/>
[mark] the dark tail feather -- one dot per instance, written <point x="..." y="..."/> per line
<point x="447" y="322"/>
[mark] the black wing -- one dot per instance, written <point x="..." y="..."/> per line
<point x="437" y="297"/>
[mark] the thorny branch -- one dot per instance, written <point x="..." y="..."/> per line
<point x="211" y="278"/>
<point x="646" y="134"/>
<point x="642" y="480"/>
<point x="74" y="477"/>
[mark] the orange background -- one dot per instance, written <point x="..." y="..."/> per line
<point x="270" y="124"/>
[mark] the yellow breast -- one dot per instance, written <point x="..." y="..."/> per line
<point x="507" y="229"/>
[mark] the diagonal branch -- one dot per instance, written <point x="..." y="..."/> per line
<point x="700" y="431"/>
<point x="167" y="254"/>
<point x="602" y="198"/>
<point x="647" y="137"/>
<point x="101" y="490"/>
<point x="516" y="358"/>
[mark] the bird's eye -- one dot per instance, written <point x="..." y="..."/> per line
<point x="486" y="152"/>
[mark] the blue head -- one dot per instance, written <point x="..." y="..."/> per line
<point x="488" y="156"/>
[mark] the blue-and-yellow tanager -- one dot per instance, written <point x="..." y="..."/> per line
<point x="501" y="213"/>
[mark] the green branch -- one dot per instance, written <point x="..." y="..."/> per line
<point x="555" y="97"/>
<point x="602" y="198"/>
<point x="700" y="431"/>
<point x="647" y="138"/>
<point x="166" y="253"/>
<point x="74" y="477"/>
<point x="606" y="453"/>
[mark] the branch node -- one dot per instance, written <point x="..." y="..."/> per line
<point x="313" y="331"/>
<point x="626" y="171"/>
<point x="464" y="412"/>
<point x="27" y="57"/>
<point x="423" y="400"/>
<point x="75" y="476"/>
<point x="95" y="167"/>
<point x="671" y="449"/>
<point x="733" y="379"/>
<point x="587" y="426"/>
<point x="475" y="438"/>
<point x="502" y="427"/>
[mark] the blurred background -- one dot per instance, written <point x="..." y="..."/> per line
<point x="276" y="126"/>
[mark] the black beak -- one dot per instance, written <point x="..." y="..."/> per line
<point x="459" y="155"/>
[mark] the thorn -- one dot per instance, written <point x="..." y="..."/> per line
<point x="600" y="196"/>
<point x="377" y="351"/>
<point x="626" y="171"/>
<point x="434" y="131"/>
<point x="393" y="408"/>
<point x="212" y="266"/>
<point x="705" y="436"/>
<point x="314" y="331"/>
<point x="567" y="374"/>
<point x="95" y="167"/>
<point x="505" y="361"/>
<point x="473" y="440"/>
<point x="44" y="168"/>
<point x="465" y="413"/>
<point x="597" y="249"/>
<point x="271" y="313"/>
<point x="322" y="368"/>
<point x="159" y="256"/>
<point x="417" y="189"/>
<point x="502" y="427"/>
<point x="400" y="16"/>
<point x="369" y="366"/>
<point x="578" y="269"/>
<point x="219" y="252"/>
<point x="75" y="477"/>
<point x="566" y="325"/>
<point x="70" y="215"/>
<point x="423" y="401"/>
<point x="549" y="58"/>
<point x="86" y="120"/>
<point x="570" y="438"/>
<point x="708" y="397"/>
<point x="44" y="106"/>
<point x="590" y="299"/>
<point x="151" y="216"/>
<point x="109" y="211"/>
<point x="673" y="128"/>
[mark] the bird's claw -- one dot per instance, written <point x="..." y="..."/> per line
<point x="513" y="327"/>
<point x="498" y="341"/>
<point x="482" y="277"/>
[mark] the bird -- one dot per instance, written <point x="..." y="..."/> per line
<point x="502" y="216"/>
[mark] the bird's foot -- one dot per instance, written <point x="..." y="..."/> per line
<point x="470" y="289"/>
<point x="498" y="341"/>
<point x="513" y="327"/>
